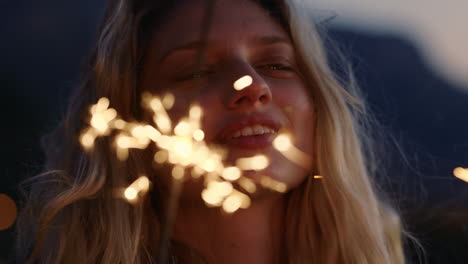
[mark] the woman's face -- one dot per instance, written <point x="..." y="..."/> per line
<point x="243" y="40"/>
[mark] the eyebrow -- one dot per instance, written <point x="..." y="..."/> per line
<point x="256" y="41"/>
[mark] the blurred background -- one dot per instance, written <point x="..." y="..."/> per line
<point x="409" y="57"/>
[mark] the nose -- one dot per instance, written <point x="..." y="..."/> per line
<point x="255" y="94"/>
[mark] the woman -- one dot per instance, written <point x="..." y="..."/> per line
<point x="197" y="53"/>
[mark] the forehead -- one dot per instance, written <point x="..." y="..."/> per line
<point x="232" y="20"/>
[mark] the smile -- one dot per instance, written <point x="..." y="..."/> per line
<point x="251" y="131"/>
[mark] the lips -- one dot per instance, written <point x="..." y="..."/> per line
<point x="252" y="131"/>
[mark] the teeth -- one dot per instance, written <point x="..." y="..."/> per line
<point x="247" y="131"/>
<point x="258" y="129"/>
<point x="252" y="130"/>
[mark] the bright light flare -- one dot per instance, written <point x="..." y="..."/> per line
<point x="243" y="82"/>
<point x="461" y="173"/>
<point x="152" y="133"/>
<point x="211" y="198"/>
<point x="282" y="142"/>
<point x="156" y="104"/>
<point x="258" y="162"/>
<point x="131" y="193"/>
<point x="232" y="204"/>
<point x="273" y="184"/>
<point x="182" y="129"/>
<point x="196" y="172"/>
<point x="195" y="112"/>
<point x="182" y="146"/>
<point x="220" y="188"/>
<point x="198" y="135"/>
<point x="247" y="184"/>
<point x="143" y="183"/>
<point x="231" y="173"/>
<point x="87" y="139"/>
<point x="235" y="201"/>
<point x="161" y="156"/>
<point x="102" y="104"/>
<point x="168" y="101"/>
<point x="209" y="165"/>
<point x="119" y="124"/>
<point x="178" y="172"/>
<point x="139" y="186"/>
<point x="163" y="122"/>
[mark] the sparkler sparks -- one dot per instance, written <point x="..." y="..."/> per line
<point x="183" y="147"/>
<point x="139" y="187"/>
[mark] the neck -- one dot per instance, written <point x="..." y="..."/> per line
<point x="252" y="235"/>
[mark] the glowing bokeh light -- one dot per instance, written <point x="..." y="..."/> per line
<point x="195" y="112"/>
<point x="270" y="183"/>
<point x="232" y="204"/>
<point x="156" y="104"/>
<point x="182" y="129"/>
<point x="163" y="123"/>
<point x="282" y="142"/>
<point x="131" y="193"/>
<point x="461" y="173"/>
<point x="119" y="124"/>
<point x="243" y="82"/>
<point x="182" y="146"/>
<point x="198" y="135"/>
<point x="209" y="165"/>
<point x="318" y="177"/>
<point x="231" y="173"/>
<point x="178" y="172"/>
<point x="8" y="212"/>
<point x="211" y="198"/>
<point x="247" y="184"/>
<point x="168" y="101"/>
<point x="143" y="183"/>
<point x="196" y="172"/>
<point x="258" y="162"/>
<point x="102" y="104"/>
<point x="220" y="188"/>
<point x="87" y="140"/>
<point x="161" y="156"/>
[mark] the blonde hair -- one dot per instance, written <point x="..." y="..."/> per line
<point x="71" y="210"/>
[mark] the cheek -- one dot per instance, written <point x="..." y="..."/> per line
<point x="298" y="107"/>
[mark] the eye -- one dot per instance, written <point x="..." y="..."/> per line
<point x="278" y="67"/>
<point x="278" y="70"/>
<point x="192" y="76"/>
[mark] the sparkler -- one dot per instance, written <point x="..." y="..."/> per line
<point x="183" y="147"/>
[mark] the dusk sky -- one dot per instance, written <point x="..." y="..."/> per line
<point x="438" y="28"/>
